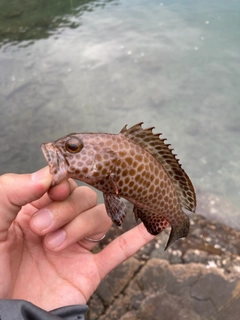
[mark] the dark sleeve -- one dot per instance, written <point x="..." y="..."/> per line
<point x="24" y="310"/>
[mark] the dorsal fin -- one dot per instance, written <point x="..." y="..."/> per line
<point x="161" y="152"/>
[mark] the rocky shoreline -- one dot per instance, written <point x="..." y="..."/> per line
<point x="196" y="278"/>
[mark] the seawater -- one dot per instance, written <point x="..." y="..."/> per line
<point x="75" y="66"/>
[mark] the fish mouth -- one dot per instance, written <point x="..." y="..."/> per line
<point x="56" y="162"/>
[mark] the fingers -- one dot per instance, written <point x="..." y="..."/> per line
<point x="57" y="193"/>
<point x="66" y="222"/>
<point x="57" y="213"/>
<point x="122" y="248"/>
<point x="60" y="191"/>
<point x="16" y="191"/>
<point x="92" y="223"/>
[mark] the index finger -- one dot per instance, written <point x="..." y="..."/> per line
<point x="57" y="193"/>
<point x="122" y="248"/>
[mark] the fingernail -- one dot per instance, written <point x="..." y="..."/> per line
<point x="55" y="239"/>
<point x="40" y="174"/>
<point x="42" y="219"/>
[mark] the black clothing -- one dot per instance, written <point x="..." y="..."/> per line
<point x="24" y="310"/>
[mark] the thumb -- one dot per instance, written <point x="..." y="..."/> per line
<point x="16" y="190"/>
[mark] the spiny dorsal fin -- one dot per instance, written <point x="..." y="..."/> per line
<point x="161" y="151"/>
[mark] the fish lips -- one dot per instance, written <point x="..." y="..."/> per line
<point x="56" y="162"/>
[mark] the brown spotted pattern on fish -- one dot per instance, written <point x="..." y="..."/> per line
<point x="136" y="165"/>
<point x="161" y="151"/>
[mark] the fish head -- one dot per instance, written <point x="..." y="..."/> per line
<point x="70" y="156"/>
<point x="80" y="156"/>
<point x="55" y="161"/>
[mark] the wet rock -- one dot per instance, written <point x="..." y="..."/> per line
<point x="112" y="285"/>
<point x="196" y="278"/>
<point x="97" y="307"/>
<point x="129" y="316"/>
<point x="230" y="311"/>
<point x="195" y="255"/>
<point x="161" y="290"/>
<point x="158" y="250"/>
<point x="168" y="307"/>
<point x="152" y="275"/>
<point x="212" y="292"/>
<point x="115" y="310"/>
<point x="175" y="256"/>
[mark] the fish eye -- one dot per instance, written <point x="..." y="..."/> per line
<point x="73" y="145"/>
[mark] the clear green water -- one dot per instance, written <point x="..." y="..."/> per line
<point x="75" y="66"/>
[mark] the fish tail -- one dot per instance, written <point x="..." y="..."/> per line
<point x="179" y="231"/>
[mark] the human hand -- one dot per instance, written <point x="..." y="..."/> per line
<point x="34" y="220"/>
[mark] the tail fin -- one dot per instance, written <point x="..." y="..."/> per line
<point x="179" y="231"/>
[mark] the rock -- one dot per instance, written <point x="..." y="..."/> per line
<point x="175" y="257"/>
<point x="164" y="306"/>
<point x="129" y="316"/>
<point x="195" y="255"/>
<point x="112" y="285"/>
<point x="115" y="310"/>
<point x="213" y="292"/>
<point x="196" y="278"/>
<point x="97" y="307"/>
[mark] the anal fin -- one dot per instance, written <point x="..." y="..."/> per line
<point x="154" y="223"/>
<point x="116" y="208"/>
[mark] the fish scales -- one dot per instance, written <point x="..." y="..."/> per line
<point x="136" y="165"/>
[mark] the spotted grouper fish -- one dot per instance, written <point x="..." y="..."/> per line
<point x="135" y="164"/>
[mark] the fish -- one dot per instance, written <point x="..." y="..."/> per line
<point x="135" y="164"/>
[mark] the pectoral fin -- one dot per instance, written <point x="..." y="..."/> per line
<point x="154" y="223"/>
<point x="116" y="208"/>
